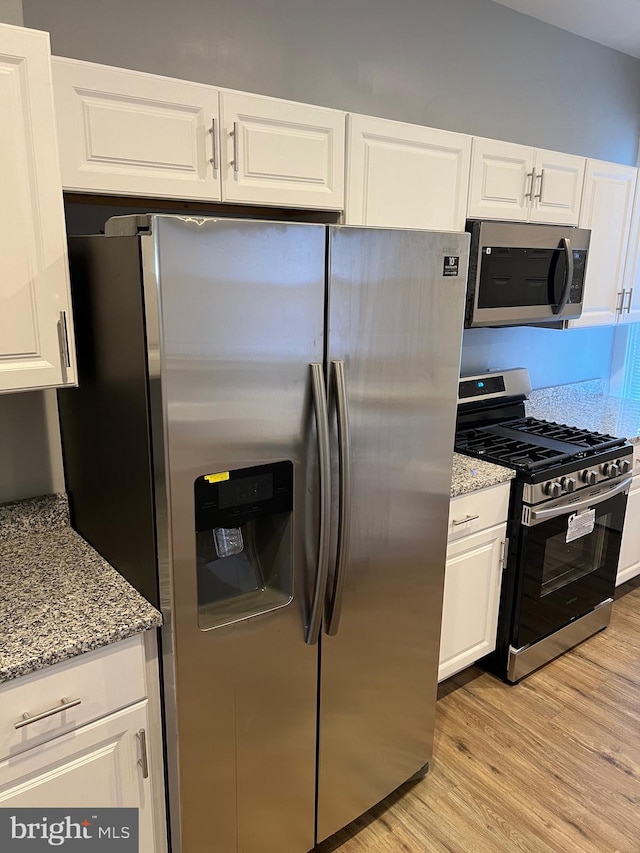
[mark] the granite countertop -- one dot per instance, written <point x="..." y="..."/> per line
<point x="470" y="474"/>
<point x="585" y="404"/>
<point x="58" y="597"/>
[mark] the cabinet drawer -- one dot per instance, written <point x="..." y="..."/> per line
<point x="104" y="681"/>
<point x="478" y="510"/>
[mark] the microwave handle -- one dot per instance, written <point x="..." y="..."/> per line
<point x="559" y="308"/>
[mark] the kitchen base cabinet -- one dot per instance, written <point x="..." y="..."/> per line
<point x="108" y="762"/>
<point x="36" y="329"/>
<point x="629" y="562"/>
<point x="473" y="577"/>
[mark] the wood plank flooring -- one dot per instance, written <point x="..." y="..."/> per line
<point x="551" y="765"/>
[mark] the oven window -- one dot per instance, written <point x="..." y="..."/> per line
<point x="565" y="562"/>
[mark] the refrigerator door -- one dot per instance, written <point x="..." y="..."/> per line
<point x="396" y="306"/>
<point x="241" y="308"/>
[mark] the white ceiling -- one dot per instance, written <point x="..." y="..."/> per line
<point x="614" y="23"/>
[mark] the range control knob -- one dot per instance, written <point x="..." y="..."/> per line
<point x="625" y="466"/>
<point x="589" y="477"/>
<point x="553" y="489"/>
<point x="610" y="469"/>
<point x="568" y="484"/>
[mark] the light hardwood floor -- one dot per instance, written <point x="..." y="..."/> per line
<point x="551" y="765"/>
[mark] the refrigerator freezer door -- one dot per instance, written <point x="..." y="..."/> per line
<point x="241" y="315"/>
<point x="395" y="318"/>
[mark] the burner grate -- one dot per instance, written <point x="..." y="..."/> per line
<point x="582" y="438"/>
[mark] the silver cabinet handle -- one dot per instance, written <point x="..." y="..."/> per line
<point x="63" y="344"/>
<point x="344" y="518"/>
<point x="457" y="521"/>
<point x="64" y="705"/>
<point x="620" y="302"/>
<point x="324" y="465"/>
<point x="564" y="298"/>
<point x="143" y="761"/>
<point x="538" y="195"/>
<point x="629" y="302"/>
<point x="236" y="148"/>
<point x="214" y="145"/>
<point x="532" y="175"/>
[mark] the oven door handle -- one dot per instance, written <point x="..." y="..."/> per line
<point x="564" y="298"/>
<point x="544" y="514"/>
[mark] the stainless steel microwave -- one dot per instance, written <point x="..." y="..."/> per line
<point x="522" y="274"/>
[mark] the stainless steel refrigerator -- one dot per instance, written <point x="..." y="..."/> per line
<point x="261" y="442"/>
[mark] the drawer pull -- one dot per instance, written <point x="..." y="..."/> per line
<point x="457" y="521"/>
<point x="64" y="705"/>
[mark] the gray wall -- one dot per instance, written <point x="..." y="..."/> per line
<point x="465" y="65"/>
<point x="11" y="12"/>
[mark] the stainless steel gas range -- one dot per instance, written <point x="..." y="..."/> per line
<point x="568" y="502"/>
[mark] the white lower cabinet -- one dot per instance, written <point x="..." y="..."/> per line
<point x="629" y="562"/>
<point x="473" y="578"/>
<point x="55" y="763"/>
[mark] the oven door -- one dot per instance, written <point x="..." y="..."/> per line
<point x="568" y="558"/>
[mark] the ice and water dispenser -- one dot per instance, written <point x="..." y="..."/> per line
<point x="243" y="542"/>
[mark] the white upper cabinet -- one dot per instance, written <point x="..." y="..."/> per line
<point x="405" y="176"/>
<point x="607" y="208"/>
<point x="281" y="153"/>
<point x="629" y="303"/>
<point x="523" y="184"/>
<point x="127" y="133"/>
<point x="500" y="185"/>
<point x="557" y="187"/>
<point x="36" y="333"/>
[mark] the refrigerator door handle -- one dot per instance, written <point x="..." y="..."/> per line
<point x="344" y="517"/>
<point x="324" y="465"/>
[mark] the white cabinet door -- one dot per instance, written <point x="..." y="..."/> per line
<point x="629" y="304"/>
<point x="471" y="599"/>
<point x="405" y="176"/>
<point x="557" y="187"/>
<point x="629" y="563"/>
<point x="98" y="766"/>
<point x="127" y="133"/>
<point x="36" y="333"/>
<point x="607" y="207"/>
<point x="281" y="153"/>
<point x="501" y="180"/>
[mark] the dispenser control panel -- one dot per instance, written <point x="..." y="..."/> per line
<point x="230" y="498"/>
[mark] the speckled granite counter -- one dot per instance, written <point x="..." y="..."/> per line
<point x="470" y="474"/>
<point x="58" y="597"/>
<point x="578" y="405"/>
